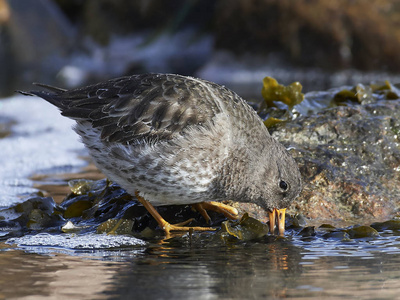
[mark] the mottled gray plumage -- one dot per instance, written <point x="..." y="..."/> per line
<point x="179" y="140"/>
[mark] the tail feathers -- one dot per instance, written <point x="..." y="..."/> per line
<point x="25" y="93"/>
<point x="50" y="96"/>
<point x="50" y="87"/>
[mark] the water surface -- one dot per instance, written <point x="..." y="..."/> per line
<point x="294" y="267"/>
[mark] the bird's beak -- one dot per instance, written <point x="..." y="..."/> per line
<point x="279" y="215"/>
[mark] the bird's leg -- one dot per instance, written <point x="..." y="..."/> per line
<point x="228" y="211"/>
<point x="167" y="227"/>
<point x="201" y="210"/>
<point x="279" y="215"/>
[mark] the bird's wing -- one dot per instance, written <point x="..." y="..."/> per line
<point x="150" y="106"/>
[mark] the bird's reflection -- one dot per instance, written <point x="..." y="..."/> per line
<point x="251" y="269"/>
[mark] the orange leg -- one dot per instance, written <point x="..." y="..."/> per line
<point x="228" y="211"/>
<point x="167" y="227"/>
<point x="277" y="214"/>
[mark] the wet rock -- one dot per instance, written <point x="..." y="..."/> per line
<point x="35" y="213"/>
<point x="357" y="232"/>
<point x="393" y="225"/>
<point x="296" y="221"/>
<point x="307" y="231"/>
<point x="246" y="229"/>
<point x="349" y="157"/>
<point x="347" y="143"/>
<point x="346" y="234"/>
<point x="337" y="235"/>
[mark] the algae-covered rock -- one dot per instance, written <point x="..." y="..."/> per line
<point x="365" y="94"/>
<point x="363" y="231"/>
<point x="246" y="229"/>
<point x="393" y="225"/>
<point x="77" y="208"/>
<point x="359" y="94"/>
<point x="34" y="213"/>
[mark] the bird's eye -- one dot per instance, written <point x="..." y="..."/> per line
<point x="283" y="185"/>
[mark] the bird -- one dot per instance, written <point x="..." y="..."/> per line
<point x="171" y="140"/>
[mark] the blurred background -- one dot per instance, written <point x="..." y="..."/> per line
<point x="320" y="43"/>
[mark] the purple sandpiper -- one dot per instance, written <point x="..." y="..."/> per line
<point x="171" y="139"/>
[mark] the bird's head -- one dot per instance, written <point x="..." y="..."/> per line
<point x="271" y="179"/>
<point x="279" y="183"/>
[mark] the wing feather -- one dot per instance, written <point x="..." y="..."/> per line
<point x="149" y="106"/>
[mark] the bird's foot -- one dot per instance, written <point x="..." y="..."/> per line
<point x="228" y="211"/>
<point x="166" y="226"/>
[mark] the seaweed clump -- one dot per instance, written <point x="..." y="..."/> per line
<point x="275" y="95"/>
<point x="365" y="94"/>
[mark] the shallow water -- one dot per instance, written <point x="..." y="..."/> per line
<point x="294" y="267"/>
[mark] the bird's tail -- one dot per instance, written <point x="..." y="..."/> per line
<point x="50" y="95"/>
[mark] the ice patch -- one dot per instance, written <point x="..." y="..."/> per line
<point x="42" y="141"/>
<point x="89" y="241"/>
